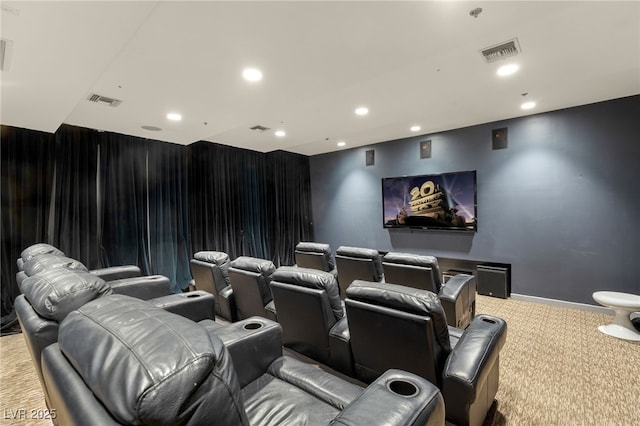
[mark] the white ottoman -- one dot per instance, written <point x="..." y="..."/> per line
<point x="623" y="304"/>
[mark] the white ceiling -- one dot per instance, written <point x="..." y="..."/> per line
<point x="411" y="63"/>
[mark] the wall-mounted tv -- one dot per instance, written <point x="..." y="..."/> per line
<point x="443" y="201"/>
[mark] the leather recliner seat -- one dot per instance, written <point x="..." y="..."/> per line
<point x="49" y="296"/>
<point x="458" y="295"/>
<point x="210" y="270"/>
<point x="404" y="327"/>
<point x="250" y="278"/>
<point x="312" y="315"/>
<point x="315" y="256"/>
<point x="355" y="263"/>
<point x="120" y="361"/>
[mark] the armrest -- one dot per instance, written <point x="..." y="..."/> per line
<point x="117" y="272"/>
<point x="194" y="305"/>
<point x="254" y="343"/>
<point x="457" y="297"/>
<point x="395" y="398"/>
<point x="145" y="288"/>
<point x="340" y="347"/>
<point x="472" y="359"/>
<point x="227" y="304"/>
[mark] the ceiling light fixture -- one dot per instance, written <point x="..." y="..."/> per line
<point x="362" y="111"/>
<point x="508" y="69"/>
<point x="341" y="143"/>
<point x="174" y="116"/>
<point x="252" y="74"/>
<point x="528" y="105"/>
<point x="415" y="128"/>
<point x="280" y="133"/>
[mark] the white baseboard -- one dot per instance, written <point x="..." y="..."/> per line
<point x="562" y="303"/>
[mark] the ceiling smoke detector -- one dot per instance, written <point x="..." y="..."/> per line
<point x="259" y="128"/>
<point x="103" y="99"/>
<point x="501" y="51"/>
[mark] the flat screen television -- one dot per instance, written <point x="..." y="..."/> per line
<point x="439" y="201"/>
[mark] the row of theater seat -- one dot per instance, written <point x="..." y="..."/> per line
<point x="388" y="325"/>
<point x="249" y="278"/>
<point x="120" y="360"/>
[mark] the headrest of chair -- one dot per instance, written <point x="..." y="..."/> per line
<point x="149" y="366"/>
<point x="252" y="264"/>
<point x="405" y="299"/>
<point x="358" y="252"/>
<point x="45" y="262"/>
<point x="410" y="259"/>
<point x="216" y="257"/>
<point x="312" y="278"/>
<point x="320" y="248"/>
<point x="38" y="249"/>
<point x="54" y="293"/>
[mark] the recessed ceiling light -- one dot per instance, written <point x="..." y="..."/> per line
<point x="508" y="69"/>
<point x="415" y="128"/>
<point x="362" y="110"/>
<point x="341" y="143"/>
<point x="252" y="74"/>
<point x="280" y="133"/>
<point x="174" y="116"/>
<point x="528" y="105"/>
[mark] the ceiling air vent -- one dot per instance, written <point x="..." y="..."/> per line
<point x="259" y="128"/>
<point x="501" y="51"/>
<point x="103" y="99"/>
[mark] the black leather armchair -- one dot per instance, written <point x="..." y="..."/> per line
<point x="355" y="263"/>
<point x="458" y="295"/>
<point x="210" y="270"/>
<point x="250" y="278"/>
<point x="401" y="327"/>
<point x="120" y="361"/>
<point x="51" y="252"/>
<point x="312" y="315"/>
<point x="49" y="296"/>
<point x="315" y="256"/>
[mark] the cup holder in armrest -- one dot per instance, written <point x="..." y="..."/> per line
<point x="192" y="295"/>
<point x="490" y="321"/>
<point x="252" y="326"/>
<point x="403" y="388"/>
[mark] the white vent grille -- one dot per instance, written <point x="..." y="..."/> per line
<point x="259" y="128"/>
<point x="103" y="99"/>
<point x="501" y="51"/>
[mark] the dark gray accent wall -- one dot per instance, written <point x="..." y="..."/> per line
<point x="561" y="204"/>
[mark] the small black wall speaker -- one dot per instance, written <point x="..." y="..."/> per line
<point x="499" y="138"/>
<point x="425" y="149"/>
<point x="369" y="157"/>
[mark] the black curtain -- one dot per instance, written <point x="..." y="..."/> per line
<point x="288" y="204"/>
<point x="75" y="224"/>
<point x="123" y="183"/>
<point x="170" y="249"/>
<point x="254" y="198"/>
<point x="25" y="184"/>
<point x="215" y="198"/>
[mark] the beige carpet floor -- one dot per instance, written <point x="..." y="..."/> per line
<point x="556" y="369"/>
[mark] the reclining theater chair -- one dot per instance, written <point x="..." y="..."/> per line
<point x="412" y="325"/>
<point x="458" y="295"/>
<point x="210" y="270"/>
<point x="250" y="278"/>
<point x="174" y="371"/>
<point x="315" y="256"/>
<point x="108" y="274"/>
<point x="354" y="263"/>
<point x="49" y="296"/>
<point x="312" y="316"/>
